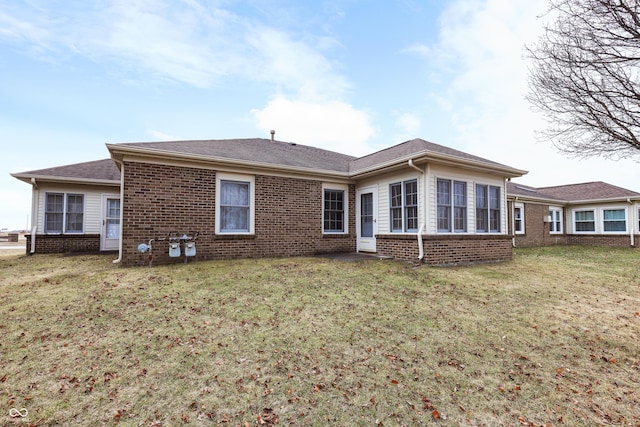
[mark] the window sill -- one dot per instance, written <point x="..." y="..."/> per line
<point x="232" y="236"/>
<point x="335" y="235"/>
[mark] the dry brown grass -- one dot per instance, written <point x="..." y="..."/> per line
<point x="550" y="338"/>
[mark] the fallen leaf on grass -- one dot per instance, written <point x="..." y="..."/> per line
<point x="267" y="418"/>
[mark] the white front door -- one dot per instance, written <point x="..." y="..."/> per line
<point x="110" y="235"/>
<point x="367" y="218"/>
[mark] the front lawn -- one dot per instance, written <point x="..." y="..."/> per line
<point x="550" y="338"/>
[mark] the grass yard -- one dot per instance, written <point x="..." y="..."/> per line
<point x="550" y="338"/>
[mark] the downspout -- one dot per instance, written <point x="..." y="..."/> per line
<point x="631" y="234"/>
<point x="419" y="233"/>
<point x="35" y="199"/>
<point x="420" y="245"/>
<point x="117" y="260"/>
<point x="513" y="221"/>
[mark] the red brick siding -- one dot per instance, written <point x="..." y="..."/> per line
<point x="63" y="243"/>
<point x="447" y="250"/>
<point x="621" y="240"/>
<point x="288" y="216"/>
<point x="536" y="231"/>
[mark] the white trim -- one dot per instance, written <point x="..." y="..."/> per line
<point x="626" y="219"/>
<point x="345" y="220"/>
<point x="552" y="219"/>
<point x="598" y="213"/>
<point x="518" y="205"/>
<point x="366" y="244"/>
<point x="65" y="212"/>
<point x="221" y="176"/>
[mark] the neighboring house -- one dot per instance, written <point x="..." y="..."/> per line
<point x="593" y="213"/>
<point x="264" y="198"/>
<point x="75" y="208"/>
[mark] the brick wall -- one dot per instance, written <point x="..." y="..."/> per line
<point x="63" y="243"/>
<point x="447" y="250"/>
<point x="620" y="240"/>
<point x="159" y="199"/>
<point x="536" y="231"/>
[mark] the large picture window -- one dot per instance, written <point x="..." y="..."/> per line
<point x="64" y="213"/>
<point x="452" y="206"/>
<point x="488" y="211"/>
<point x="404" y="206"/>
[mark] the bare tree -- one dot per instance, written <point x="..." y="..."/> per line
<point x="586" y="77"/>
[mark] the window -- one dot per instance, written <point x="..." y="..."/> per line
<point x="75" y="213"/>
<point x="555" y="220"/>
<point x="518" y="218"/>
<point x="54" y="213"/>
<point x="494" y="209"/>
<point x="614" y="220"/>
<point x="452" y="204"/>
<point x="334" y="208"/>
<point x="487" y="208"/>
<point x="235" y="197"/>
<point x="585" y="221"/>
<point x="64" y="213"/>
<point x="404" y="206"/>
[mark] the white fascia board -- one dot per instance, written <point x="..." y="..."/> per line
<point x="63" y="179"/>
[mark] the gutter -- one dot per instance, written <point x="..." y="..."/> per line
<point x="117" y="260"/>
<point x="35" y="198"/>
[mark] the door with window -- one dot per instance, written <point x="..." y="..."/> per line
<point x="367" y="218"/>
<point x="110" y="235"/>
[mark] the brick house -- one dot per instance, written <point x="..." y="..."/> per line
<point x="592" y="213"/>
<point x="264" y="198"/>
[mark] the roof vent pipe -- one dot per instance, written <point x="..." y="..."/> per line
<point x="273" y="134"/>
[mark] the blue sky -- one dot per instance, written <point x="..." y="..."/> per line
<point x="350" y="76"/>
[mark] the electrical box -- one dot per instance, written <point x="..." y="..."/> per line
<point x="190" y="249"/>
<point x="174" y="250"/>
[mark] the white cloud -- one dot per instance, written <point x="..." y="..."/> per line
<point x="332" y="125"/>
<point x="418" y="49"/>
<point x="295" y="66"/>
<point x="161" y="136"/>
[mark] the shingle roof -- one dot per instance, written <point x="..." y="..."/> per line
<point x="411" y="148"/>
<point x="514" y="189"/>
<point x="98" y="170"/>
<point x="254" y="150"/>
<point x="588" y="191"/>
<point x="260" y="151"/>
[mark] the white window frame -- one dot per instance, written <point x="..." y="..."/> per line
<point x="250" y="179"/>
<point x="65" y="212"/>
<point x="345" y="211"/>
<point x="626" y="219"/>
<point x="404" y="207"/>
<point x="519" y="206"/>
<point x="555" y="217"/>
<point x="595" y="220"/>
<point x="451" y="206"/>
<point x="487" y="209"/>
